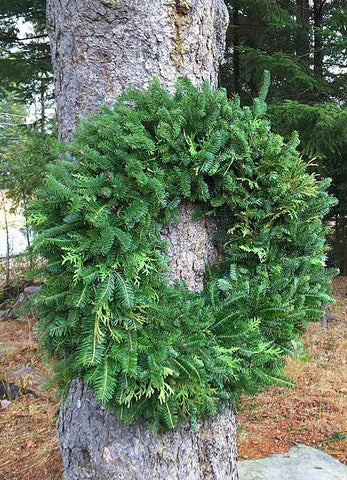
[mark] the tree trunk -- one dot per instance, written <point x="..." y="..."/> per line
<point x="302" y="37"/>
<point x="191" y="247"/>
<point x="96" y="445"/>
<point x="8" y="248"/>
<point x="99" y="48"/>
<point x="236" y="46"/>
<point x="318" y="43"/>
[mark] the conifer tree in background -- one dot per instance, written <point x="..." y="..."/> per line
<point x="323" y="136"/>
<point x="24" y="53"/>
<point x="303" y="44"/>
<point x="25" y="81"/>
<point x="25" y="152"/>
<point x="305" y="55"/>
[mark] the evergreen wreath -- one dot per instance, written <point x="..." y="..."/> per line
<point x="107" y="314"/>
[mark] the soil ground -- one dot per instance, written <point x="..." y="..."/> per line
<point x="314" y="411"/>
<point x="311" y="412"/>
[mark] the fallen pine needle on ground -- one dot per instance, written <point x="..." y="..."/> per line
<point x="313" y="412"/>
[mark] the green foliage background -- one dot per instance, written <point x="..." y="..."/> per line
<point x="25" y="62"/>
<point x="303" y="43"/>
<point x="163" y="353"/>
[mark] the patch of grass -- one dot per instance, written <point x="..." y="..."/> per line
<point x="339" y="436"/>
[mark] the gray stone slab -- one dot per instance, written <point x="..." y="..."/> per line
<point x="300" y="463"/>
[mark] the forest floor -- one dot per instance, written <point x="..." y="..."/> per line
<point x="312" y="412"/>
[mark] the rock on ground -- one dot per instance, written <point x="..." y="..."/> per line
<point x="300" y="463"/>
<point x="20" y="304"/>
<point x="29" y="377"/>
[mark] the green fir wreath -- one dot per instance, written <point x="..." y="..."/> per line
<point x="107" y="315"/>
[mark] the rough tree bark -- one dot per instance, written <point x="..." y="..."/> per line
<point x="96" y="445"/>
<point x="100" y="47"/>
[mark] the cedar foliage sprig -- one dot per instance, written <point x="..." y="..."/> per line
<point x="107" y="315"/>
